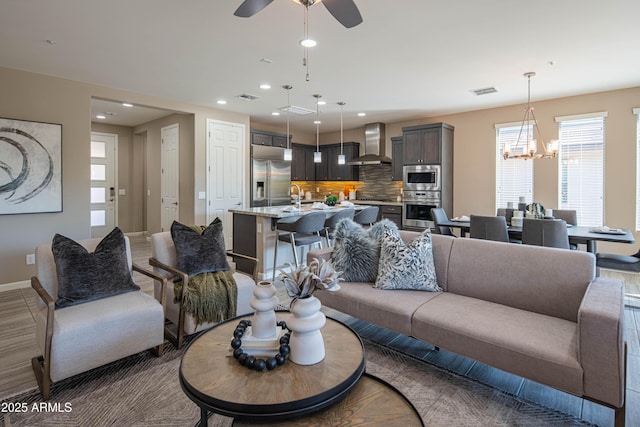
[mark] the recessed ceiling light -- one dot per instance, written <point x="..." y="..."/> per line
<point x="275" y="113"/>
<point x="221" y="101"/>
<point x="317" y="122"/>
<point x="308" y="43"/>
<point x="126" y="104"/>
<point x="266" y="60"/>
<point x="362" y="114"/>
<point x="322" y="102"/>
<point x="101" y="117"/>
<point x="265" y="86"/>
<point x="50" y="42"/>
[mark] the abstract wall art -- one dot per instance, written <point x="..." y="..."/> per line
<point x="30" y="167"/>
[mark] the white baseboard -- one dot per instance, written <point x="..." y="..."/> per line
<point x="15" y="285"/>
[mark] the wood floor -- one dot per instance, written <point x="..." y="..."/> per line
<point x="17" y="347"/>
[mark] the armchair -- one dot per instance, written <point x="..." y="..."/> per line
<point x="164" y="261"/>
<point x="77" y="338"/>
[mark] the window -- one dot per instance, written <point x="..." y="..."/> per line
<point x="636" y="111"/>
<point x="581" y="160"/>
<point x="514" y="177"/>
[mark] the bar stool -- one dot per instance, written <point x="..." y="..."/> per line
<point x="367" y="216"/>
<point x="331" y="222"/>
<point x="305" y="231"/>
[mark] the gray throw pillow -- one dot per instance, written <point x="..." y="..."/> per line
<point x="354" y="253"/>
<point x="356" y="250"/>
<point x="200" y="251"/>
<point x="84" y="276"/>
<point x="406" y="266"/>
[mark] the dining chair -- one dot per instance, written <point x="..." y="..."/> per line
<point x="545" y="232"/>
<point x="629" y="263"/>
<point x="571" y="217"/>
<point x="439" y="215"/>
<point x="489" y="228"/>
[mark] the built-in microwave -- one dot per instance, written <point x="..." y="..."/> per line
<point x="421" y="178"/>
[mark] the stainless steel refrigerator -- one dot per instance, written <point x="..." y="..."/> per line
<point x="270" y="177"/>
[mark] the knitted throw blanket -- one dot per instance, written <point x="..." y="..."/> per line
<point x="210" y="297"/>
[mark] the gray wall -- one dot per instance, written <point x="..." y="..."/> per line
<point x="34" y="97"/>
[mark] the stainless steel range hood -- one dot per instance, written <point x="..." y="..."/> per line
<point x="374" y="146"/>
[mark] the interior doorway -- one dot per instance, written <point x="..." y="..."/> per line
<point x="225" y="173"/>
<point x="170" y="175"/>
<point x="104" y="167"/>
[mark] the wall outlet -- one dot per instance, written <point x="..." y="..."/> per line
<point x="31" y="259"/>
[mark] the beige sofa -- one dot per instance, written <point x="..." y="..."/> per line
<point x="536" y="312"/>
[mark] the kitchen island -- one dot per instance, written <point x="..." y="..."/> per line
<point x="254" y="234"/>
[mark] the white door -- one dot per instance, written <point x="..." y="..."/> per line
<point x="104" y="148"/>
<point x="225" y="173"/>
<point x="170" y="180"/>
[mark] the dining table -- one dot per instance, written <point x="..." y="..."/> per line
<point x="578" y="234"/>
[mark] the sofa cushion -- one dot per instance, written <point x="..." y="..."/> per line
<point x="85" y="276"/>
<point x="542" y="280"/>
<point x="391" y="310"/>
<point x="535" y="346"/>
<point x="406" y="265"/>
<point x="199" y="252"/>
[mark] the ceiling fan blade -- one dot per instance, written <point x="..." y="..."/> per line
<point x="251" y="7"/>
<point x="345" y="11"/>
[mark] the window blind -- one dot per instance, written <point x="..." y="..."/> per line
<point x="514" y="177"/>
<point x="581" y="159"/>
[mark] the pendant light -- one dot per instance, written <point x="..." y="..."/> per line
<point x="317" y="156"/>
<point x="288" y="152"/>
<point x="341" y="157"/>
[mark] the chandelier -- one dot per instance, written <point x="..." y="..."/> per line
<point x="526" y="146"/>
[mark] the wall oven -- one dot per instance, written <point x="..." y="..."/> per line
<point x="421" y="177"/>
<point x="416" y="209"/>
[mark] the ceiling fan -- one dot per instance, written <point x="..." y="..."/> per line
<point x="345" y="11"/>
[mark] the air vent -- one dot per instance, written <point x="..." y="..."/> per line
<point x="485" y="91"/>
<point x="296" y="110"/>
<point x="247" y="97"/>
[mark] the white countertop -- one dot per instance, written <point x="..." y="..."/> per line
<point x="279" y="212"/>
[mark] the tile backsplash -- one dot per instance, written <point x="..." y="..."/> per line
<point x="375" y="183"/>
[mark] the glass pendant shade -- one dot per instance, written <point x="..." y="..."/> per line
<point x="341" y="159"/>
<point x="317" y="156"/>
<point x="288" y="154"/>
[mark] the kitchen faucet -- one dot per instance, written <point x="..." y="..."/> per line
<point x="299" y="194"/>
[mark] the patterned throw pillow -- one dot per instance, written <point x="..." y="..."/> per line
<point x="406" y="266"/>
<point x="84" y="276"/>
<point x="200" y="251"/>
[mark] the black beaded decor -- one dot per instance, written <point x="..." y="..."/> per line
<point x="252" y="362"/>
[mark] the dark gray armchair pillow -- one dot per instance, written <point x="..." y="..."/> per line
<point x="84" y="276"/>
<point x="201" y="251"/>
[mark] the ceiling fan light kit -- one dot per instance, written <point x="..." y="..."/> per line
<point x="344" y="11"/>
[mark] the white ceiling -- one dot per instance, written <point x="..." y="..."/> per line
<point x="408" y="59"/>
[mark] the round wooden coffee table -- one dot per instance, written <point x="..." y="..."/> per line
<point x="371" y="402"/>
<point x="216" y="382"/>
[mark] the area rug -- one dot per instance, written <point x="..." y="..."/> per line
<point x="143" y="390"/>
